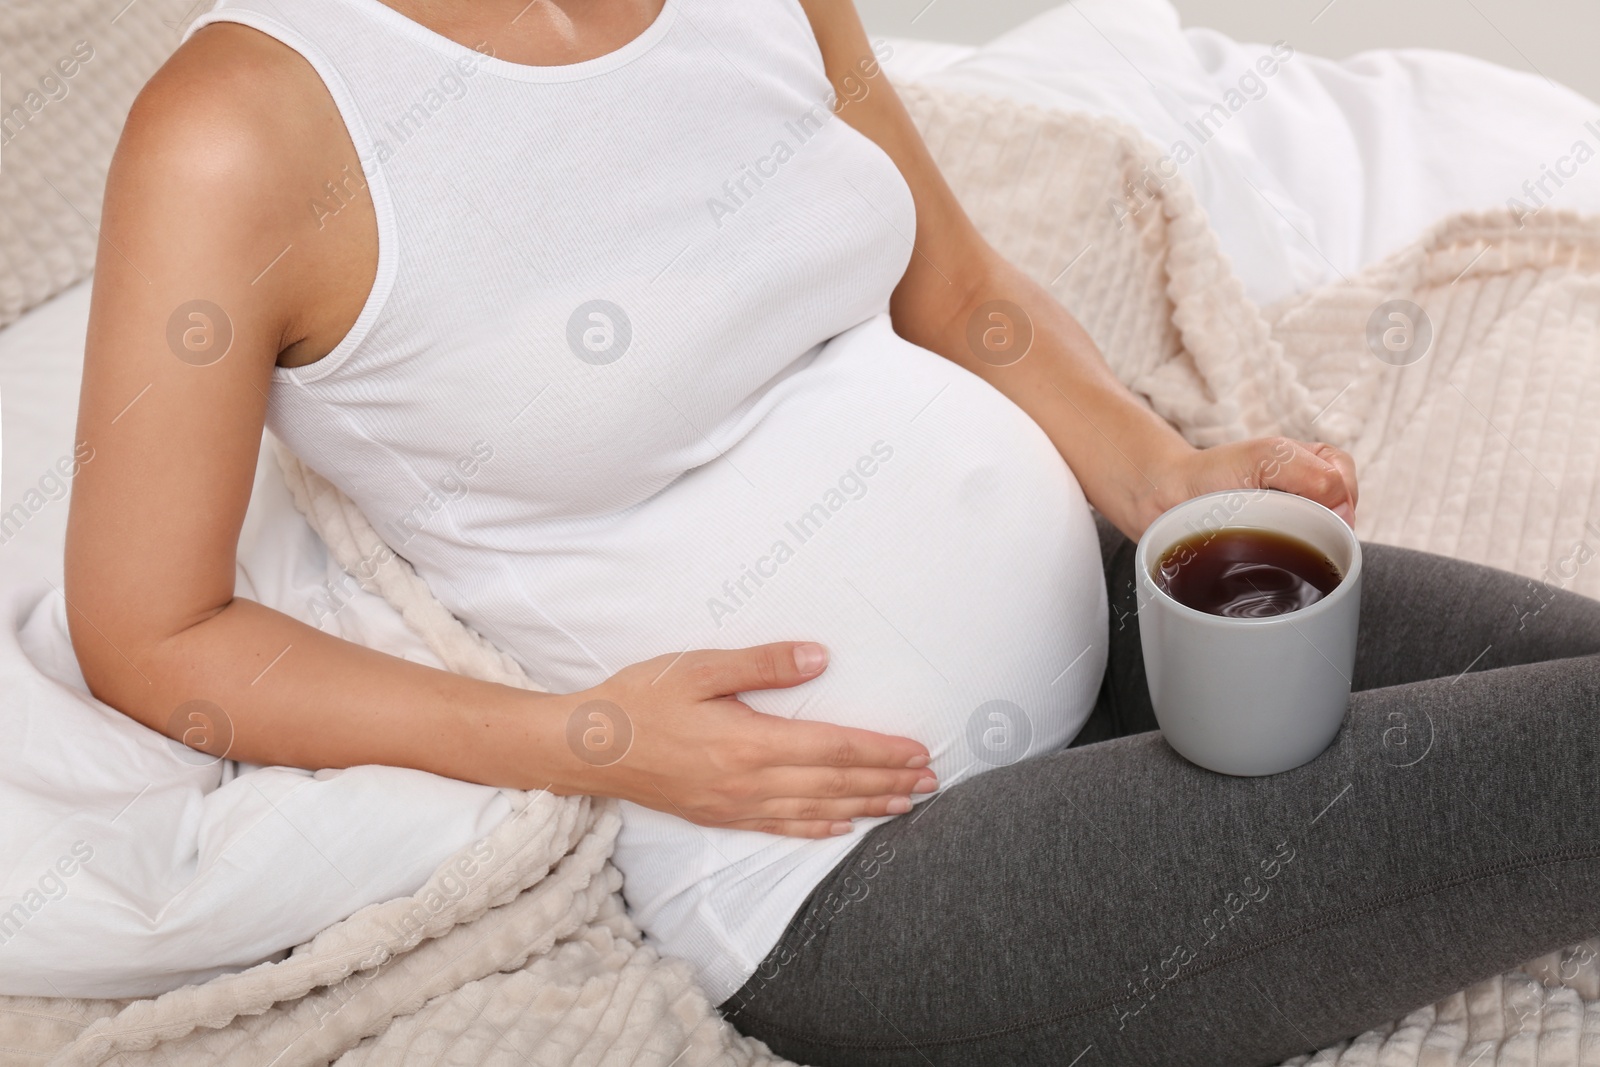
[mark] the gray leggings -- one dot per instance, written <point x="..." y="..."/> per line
<point x="1111" y="903"/>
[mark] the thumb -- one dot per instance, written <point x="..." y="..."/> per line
<point x="723" y="672"/>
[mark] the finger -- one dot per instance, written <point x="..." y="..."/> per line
<point x="807" y="743"/>
<point x="815" y="810"/>
<point x="808" y="809"/>
<point x="1309" y="474"/>
<point x="842" y="783"/>
<point x="1346" y="468"/>
<point x="792" y="827"/>
<point x="723" y="672"/>
<point x="1346" y="464"/>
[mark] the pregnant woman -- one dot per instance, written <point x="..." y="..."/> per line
<point x="641" y="329"/>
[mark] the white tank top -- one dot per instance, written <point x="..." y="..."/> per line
<point x="626" y="385"/>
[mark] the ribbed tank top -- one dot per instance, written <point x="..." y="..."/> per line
<point x="626" y="385"/>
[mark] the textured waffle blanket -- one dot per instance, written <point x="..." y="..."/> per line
<point x="1466" y="413"/>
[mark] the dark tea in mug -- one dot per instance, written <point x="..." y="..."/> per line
<point x="1245" y="573"/>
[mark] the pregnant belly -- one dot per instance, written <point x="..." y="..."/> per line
<point x="882" y="501"/>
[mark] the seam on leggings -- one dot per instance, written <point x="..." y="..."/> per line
<point x="1338" y="915"/>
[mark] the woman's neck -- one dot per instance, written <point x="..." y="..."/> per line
<point x="541" y="33"/>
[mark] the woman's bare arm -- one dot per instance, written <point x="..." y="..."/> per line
<point x="207" y="200"/>
<point x="1131" y="463"/>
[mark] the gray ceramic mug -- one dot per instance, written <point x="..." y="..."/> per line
<point x="1250" y="696"/>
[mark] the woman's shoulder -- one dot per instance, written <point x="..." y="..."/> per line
<point x="230" y="103"/>
<point x="224" y="150"/>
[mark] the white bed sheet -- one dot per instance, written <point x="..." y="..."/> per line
<point x="1328" y="165"/>
<point x="198" y="869"/>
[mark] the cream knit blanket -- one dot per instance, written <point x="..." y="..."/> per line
<point x="1479" y="448"/>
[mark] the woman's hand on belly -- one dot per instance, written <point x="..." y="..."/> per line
<point x="668" y="734"/>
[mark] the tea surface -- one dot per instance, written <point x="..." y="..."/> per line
<point x="1245" y="573"/>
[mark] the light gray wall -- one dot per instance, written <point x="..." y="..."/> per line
<point x="1556" y="38"/>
